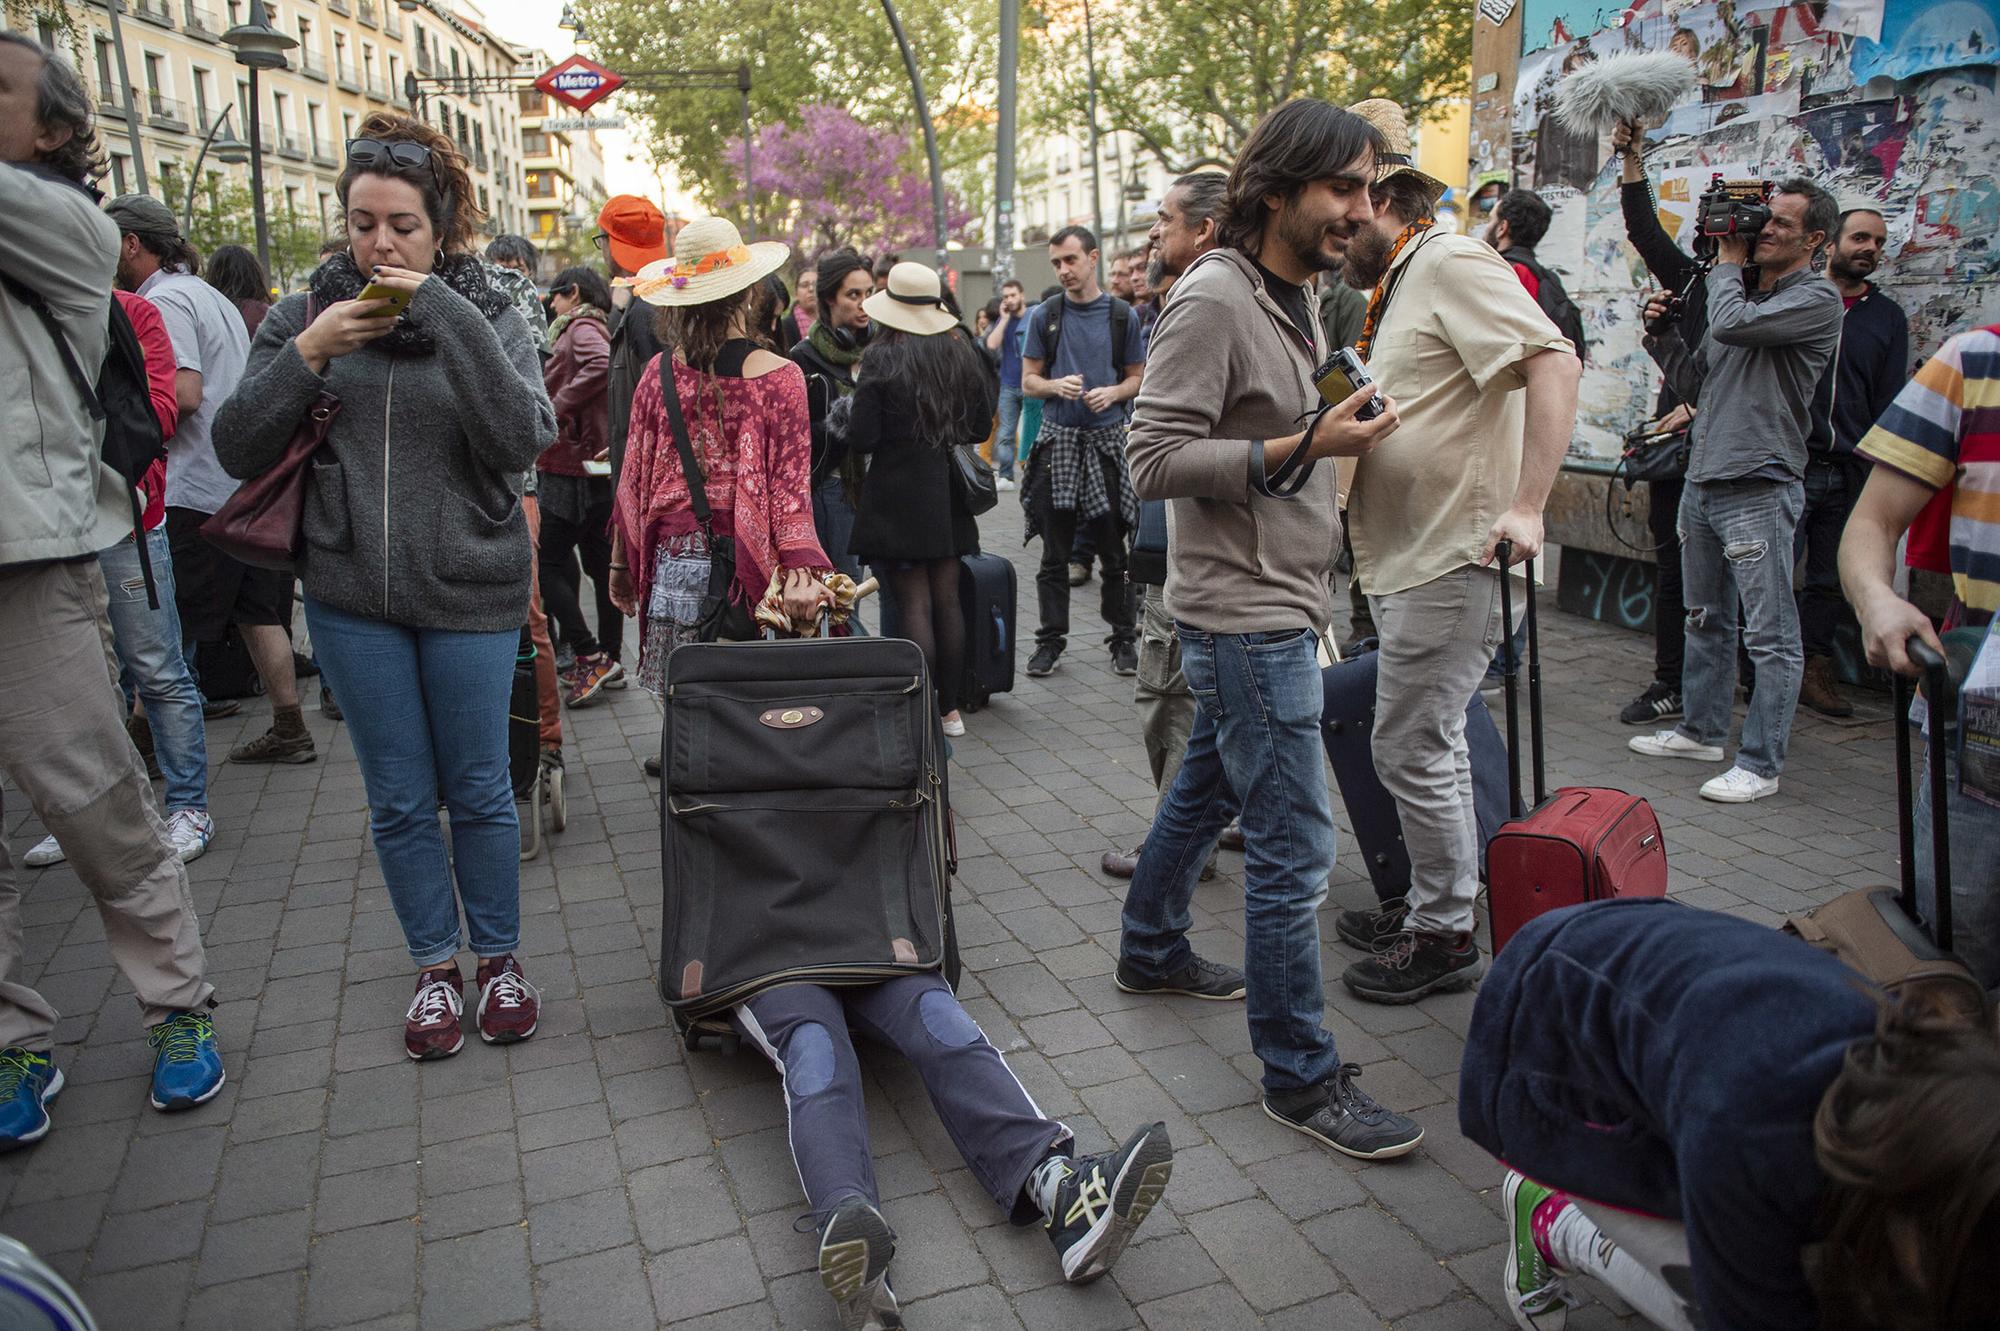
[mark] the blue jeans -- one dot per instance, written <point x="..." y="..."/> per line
<point x="150" y="659"/>
<point x="1256" y="731"/>
<point x="1006" y="437"/>
<point x="1736" y="542"/>
<point x="427" y="710"/>
<point x="1974" y="831"/>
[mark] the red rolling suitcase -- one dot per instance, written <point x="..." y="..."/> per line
<point x="1582" y="843"/>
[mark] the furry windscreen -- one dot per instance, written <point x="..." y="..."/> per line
<point x="1630" y="85"/>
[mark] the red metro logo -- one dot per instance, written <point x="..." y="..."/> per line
<point x="579" y="82"/>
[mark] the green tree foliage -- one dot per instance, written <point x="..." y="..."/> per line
<point x="223" y="215"/>
<point x="1191" y="78"/>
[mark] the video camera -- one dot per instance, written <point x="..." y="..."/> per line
<point x="1730" y="208"/>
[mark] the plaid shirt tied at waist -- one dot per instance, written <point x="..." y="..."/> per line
<point x="1081" y="470"/>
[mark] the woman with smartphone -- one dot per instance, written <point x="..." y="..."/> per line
<point x="415" y="552"/>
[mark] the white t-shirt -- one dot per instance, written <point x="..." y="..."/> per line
<point x="209" y="338"/>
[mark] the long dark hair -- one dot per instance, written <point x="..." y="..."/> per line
<point x="953" y="384"/>
<point x="698" y="331"/>
<point x="1301" y="141"/>
<point x="235" y="272"/>
<point x="1908" y="1135"/>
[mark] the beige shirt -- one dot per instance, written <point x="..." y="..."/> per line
<point x="1449" y="350"/>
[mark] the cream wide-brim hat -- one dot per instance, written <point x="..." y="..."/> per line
<point x="913" y="302"/>
<point x="1394" y="125"/>
<point x="710" y="261"/>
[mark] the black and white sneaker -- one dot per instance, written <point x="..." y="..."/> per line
<point x="1660" y="702"/>
<point x="1043" y="663"/>
<point x="1347" y="1118"/>
<point x="1094" y="1202"/>
<point x="854" y="1252"/>
<point x="1200" y="978"/>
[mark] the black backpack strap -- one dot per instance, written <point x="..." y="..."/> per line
<point x="1121" y="314"/>
<point x="33" y="300"/>
<point x="1049" y="315"/>
<point x="670" y="392"/>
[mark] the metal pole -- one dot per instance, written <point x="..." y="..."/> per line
<point x="1003" y="175"/>
<point x="194" y="176"/>
<point x="131" y="111"/>
<point x="749" y="193"/>
<point x="257" y="176"/>
<point x="1096" y="190"/>
<point x="930" y="133"/>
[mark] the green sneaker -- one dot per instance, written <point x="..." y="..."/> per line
<point x="1537" y="1295"/>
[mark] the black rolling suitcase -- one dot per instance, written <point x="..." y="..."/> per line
<point x="806" y="828"/>
<point x="1347" y="724"/>
<point x="986" y="595"/>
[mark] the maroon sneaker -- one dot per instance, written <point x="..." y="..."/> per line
<point x="509" y="1007"/>
<point x="432" y="1028"/>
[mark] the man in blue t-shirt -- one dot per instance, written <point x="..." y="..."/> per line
<point x="1083" y="357"/>
<point x="1004" y="339"/>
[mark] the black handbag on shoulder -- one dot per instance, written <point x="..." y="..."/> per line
<point x="973" y="480"/>
<point x="715" y="602"/>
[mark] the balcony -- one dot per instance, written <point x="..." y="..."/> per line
<point x="480" y="160"/>
<point x="392" y="22"/>
<point x="378" y="90"/>
<point x="365" y="11"/>
<point x="322" y="155"/>
<point x="339" y="7"/>
<point x="109" y="103"/>
<point x="154" y="11"/>
<point x="165" y="112"/>
<point x="423" y="60"/>
<point x="201" y="21"/>
<point x="345" y="75"/>
<point x="312" y="65"/>
<point x="292" y="146"/>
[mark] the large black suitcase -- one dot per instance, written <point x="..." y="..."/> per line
<point x="805" y="828"/>
<point x="986" y="595"/>
<point x="1348" y="725"/>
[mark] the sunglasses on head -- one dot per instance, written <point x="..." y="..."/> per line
<point x="382" y="154"/>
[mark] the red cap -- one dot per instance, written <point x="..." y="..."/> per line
<point x="636" y="231"/>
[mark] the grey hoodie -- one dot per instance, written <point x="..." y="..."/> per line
<point x="416" y="516"/>
<point x="1226" y="370"/>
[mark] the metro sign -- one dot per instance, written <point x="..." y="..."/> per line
<point x="579" y="82"/>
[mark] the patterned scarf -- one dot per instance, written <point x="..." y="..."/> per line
<point x="1378" y="301"/>
<point x="563" y="321"/>
<point x="340" y="279"/>
<point x="822" y="341"/>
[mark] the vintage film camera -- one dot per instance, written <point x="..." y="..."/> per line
<point x="1341" y="377"/>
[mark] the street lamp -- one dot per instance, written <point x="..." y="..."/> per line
<point x="930" y="133"/>
<point x="228" y="149"/>
<point x="258" y="46"/>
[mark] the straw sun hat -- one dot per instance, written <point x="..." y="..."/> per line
<point x="710" y="261"/>
<point x="913" y="302"/>
<point x="1388" y="118"/>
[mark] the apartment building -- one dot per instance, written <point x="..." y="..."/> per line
<point x="1054" y="188"/>
<point x="564" y="168"/>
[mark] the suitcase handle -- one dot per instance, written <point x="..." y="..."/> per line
<point x="1937" y="694"/>
<point x="1502" y="555"/>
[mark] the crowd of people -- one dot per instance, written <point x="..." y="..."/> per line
<point x="675" y="427"/>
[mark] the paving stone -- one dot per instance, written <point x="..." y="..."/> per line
<point x="477" y="1281"/>
<point x="1262" y="1255"/>
<point x="683" y="1203"/>
<point x="368" y="1197"/>
<point x="256" y="1247"/>
<point x="575" y="1226"/>
<point x="144" y="1238"/>
<point x="1388" y="1268"/>
<point x="595" y="1292"/>
<point x="270" y="1303"/>
<point x="705" y="1279"/>
<point x="362" y="1273"/>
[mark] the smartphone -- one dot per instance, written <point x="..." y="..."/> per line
<point x="1341" y="377"/>
<point x="399" y="300"/>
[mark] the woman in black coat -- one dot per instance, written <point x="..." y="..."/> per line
<point x="923" y="390"/>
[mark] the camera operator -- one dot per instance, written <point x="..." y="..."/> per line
<point x="1754" y="376"/>
<point x="1249" y="584"/>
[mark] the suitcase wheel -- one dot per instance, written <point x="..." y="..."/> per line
<point x="552" y="786"/>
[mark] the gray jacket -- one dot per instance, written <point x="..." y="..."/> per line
<point x="57" y="499"/>
<point x="1753" y="380"/>
<point x="415" y="518"/>
<point x="1225" y="371"/>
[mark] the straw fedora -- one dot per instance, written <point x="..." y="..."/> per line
<point x="710" y="261"/>
<point x="1388" y="118"/>
<point x="913" y="302"/>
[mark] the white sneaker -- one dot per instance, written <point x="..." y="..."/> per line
<point x="190" y="830"/>
<point x="1737" y="786"/>
<point x="954" y="726"/>
<point x="1002" y="483"/>
<point x="1673" y="744"/>
<point x="45" y="853"/>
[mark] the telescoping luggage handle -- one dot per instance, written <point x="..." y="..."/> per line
<point x="1937" y="697"/>
<point x="1502" y="555"/>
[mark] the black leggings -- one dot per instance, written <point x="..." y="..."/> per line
<point x="563" y="542"/>
<point x="926" y="595"/>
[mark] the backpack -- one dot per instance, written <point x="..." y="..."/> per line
<point x="1049" y="316"/>
<point x="121" y="397"/>
<point x="1554" y="300"/>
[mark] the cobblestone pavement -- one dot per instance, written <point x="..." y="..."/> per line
<point x="597" y="1177"/>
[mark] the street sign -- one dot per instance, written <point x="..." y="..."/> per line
<point x="579" y="82"/>
<point x="580" y="124"/>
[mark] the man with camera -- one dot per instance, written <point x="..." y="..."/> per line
<point x="1254" y="533"/>
<point x="1487" y="388"/>
<point x="1753" y="379"/>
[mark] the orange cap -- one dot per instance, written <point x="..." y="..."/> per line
<point x="635" y="231"/>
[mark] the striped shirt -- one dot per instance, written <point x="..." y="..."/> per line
<point x="1943" y="430"/>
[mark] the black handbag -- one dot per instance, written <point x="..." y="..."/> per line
<point x="973" y="480"/>
<point x="716" y="608"/>
<point x="1655" y="455"/>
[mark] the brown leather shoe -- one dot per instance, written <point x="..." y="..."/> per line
<point x="1819" y="691"/>
<point x="1232" y="835"/>
<point x="1117" y="865"/>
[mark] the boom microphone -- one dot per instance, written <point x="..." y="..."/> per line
<point x="1629" y="85"/>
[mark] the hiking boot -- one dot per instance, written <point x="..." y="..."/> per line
<point x="190" y="830"/>
<point x="1414" y="964"/>
<point x="1232" y="835"/>
<point x="187" y="1066"/>
<point x="1124" y="659"/>
<point x="1737" y="786"/>
<point x="1094" y="1202"/>
<point x="29" y="1079"/>
<point x="1340" y="1114"/>
<point x="593" y="674"/>
<point x="1043" y="663"/>
<point x="1079" y="572"/>
<point x="1537" y="1295"/>
<point x="1373" y="929"/>
<point x="1673" y="744"/>
<point x="509" y="1007"/>
<point x="854" y="1252"/>
<point x="328" y="708"/>
<point x="1197" y="979"/>
<point x="271" y="747"/>
<point x="431" y="1028"/>
<point x="1820" y="691"/>
<point x="1660" y="702"/>
<point x="43" y="853"/>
